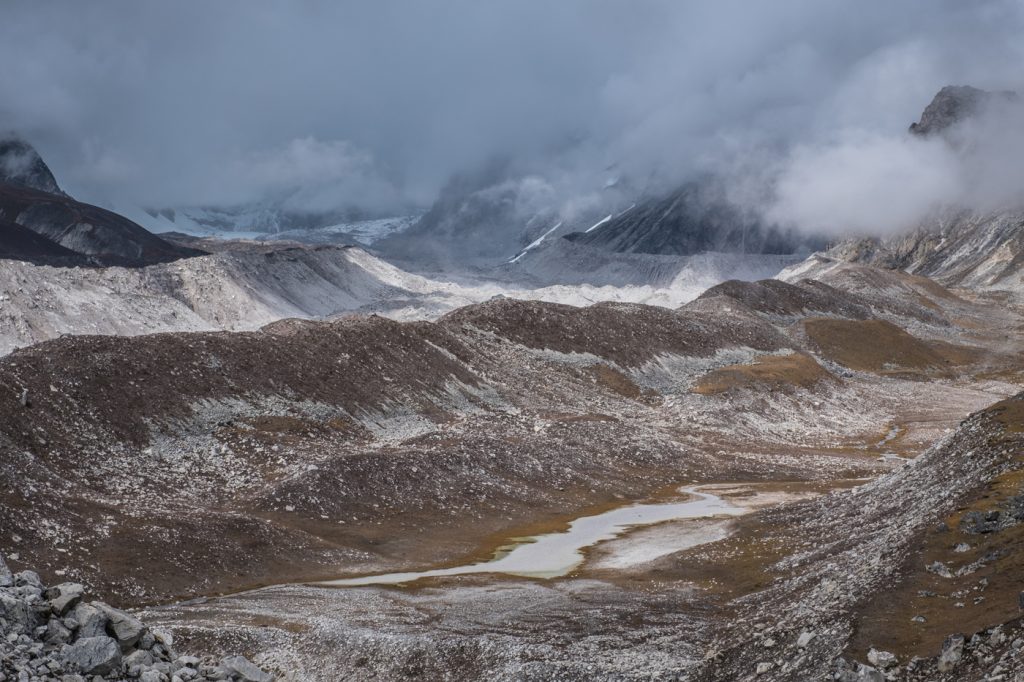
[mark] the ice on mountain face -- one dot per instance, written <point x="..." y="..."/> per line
<point x="266" y="225"/>
<point x="535" y="243"/>
<point x="598" y="223"/>
<point x="363" y="231"/>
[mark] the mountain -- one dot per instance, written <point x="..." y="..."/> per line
<point x="479" y="219"/>
<point x="21" y="165"/>
<point x="496" y="217"/>
<point x="982" y="250"/>
<point x="956" y="103"/>
<point x="69" y="232"/>
<point x="696" y="218"/>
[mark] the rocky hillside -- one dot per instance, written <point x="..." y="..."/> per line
<point x="423" y="444"/>
<point x="270" y="438"/>
<point x="696" y="218"/>
<point x="963" y="248"/>
<point x="914" y="576"/>
<point x="31" y="198"/>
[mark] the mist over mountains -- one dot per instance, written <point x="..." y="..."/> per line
<point x="307" y="110"/>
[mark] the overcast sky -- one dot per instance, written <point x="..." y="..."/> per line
<point x="378" y="103"/>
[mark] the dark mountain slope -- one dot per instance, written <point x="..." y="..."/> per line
<point x="695" y="218"/>
<point x="31" y="198"/>
<point x="21" y="243"/>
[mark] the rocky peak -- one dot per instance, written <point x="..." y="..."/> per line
<point x="21" y="165"/>
<point x="953" y="104"/>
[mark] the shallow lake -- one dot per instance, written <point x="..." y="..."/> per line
<point x="557" y="554"/>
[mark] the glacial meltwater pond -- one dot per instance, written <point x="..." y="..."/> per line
<point x="557" y="554"/>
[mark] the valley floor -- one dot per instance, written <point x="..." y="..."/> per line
<point x="213" y="477"/>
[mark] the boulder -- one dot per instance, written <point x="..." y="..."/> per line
<point x="64" y="597"/>
<point x="93" y="655"/>
<point x="979" y="523"/>
<point x="91" y="621"/>
<point x="6" y="577"/>
<point x="139" y="657"/>
<point x="952" y="652"/>
<point x="243" y="669"/>
<point x="56" y="633"/>
<point x="31" y="578"/>
<point x="125" y="628"/>
<point x="881" y="659"/>
<point x="18" y="613"/>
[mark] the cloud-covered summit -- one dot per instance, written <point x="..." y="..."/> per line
<point x="331" y="104"/>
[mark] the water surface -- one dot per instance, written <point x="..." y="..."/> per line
<point x="552" y="555"/>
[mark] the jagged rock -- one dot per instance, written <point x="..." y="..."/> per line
<point x="244" y="669"/>
<point x="93" y="655"/>
<point x="804" y="639"/>
<point x="865" y="673"/>
<point x="64" y="597"/>
<point x="127" y="629"/>
<point x="91" y="621"/>
<point x="881" y="659"/>
<point x="763" y="667"/>
<point x="952" y="652"/>
<point x="147" y="640"/>
<point x="939" y="569"/>
<point x="57" y="633"/>
<point x="213" y="672"/>
<point x="6" y="577"/>
<point x="977" y="523"/>
<point x="187" y="661"/>
<point x="19" y="615"/>
<point x="27" y="578"/>
<point x="47" y="633"/>
<point x="138" y="657"/>
<point x="953" y="104"/>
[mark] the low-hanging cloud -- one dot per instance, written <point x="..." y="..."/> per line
<point x="867" y="183"/>
<point x="334" y="104"/>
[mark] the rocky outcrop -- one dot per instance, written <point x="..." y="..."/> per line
<point x="49" y="633"/>
<point x="21" y="166"/>
<point x="954" y="104"/>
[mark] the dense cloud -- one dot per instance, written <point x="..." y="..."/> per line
<point x="328" y="104"/>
